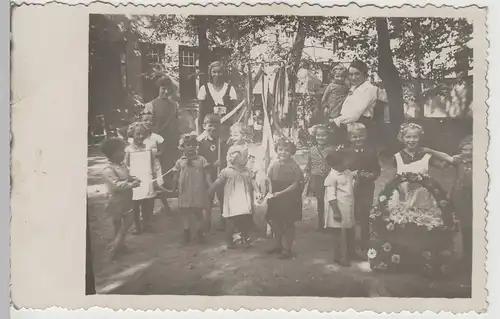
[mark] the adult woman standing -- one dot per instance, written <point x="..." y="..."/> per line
<point x="217" y="96"/>
<point x="166" y="123"/>
<point x="361" y="99"/>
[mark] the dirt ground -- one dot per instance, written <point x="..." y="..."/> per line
<point x="161" y="264"/>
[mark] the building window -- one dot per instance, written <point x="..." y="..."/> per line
<point x="188" y="58"/>
<point x="155" y="56"/>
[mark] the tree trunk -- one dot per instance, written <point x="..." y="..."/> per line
<point x="417" y="30"/>
<point x="296" y="54"/>
<point x="203" y="50"/>
<point x="462" y="72"/>
<point x="389" y="74"/>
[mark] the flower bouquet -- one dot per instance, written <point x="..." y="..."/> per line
<point x="407" y="237"/>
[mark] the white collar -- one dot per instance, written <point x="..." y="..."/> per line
<point x="362" y="86"/>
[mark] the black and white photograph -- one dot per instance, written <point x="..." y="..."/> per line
<point x="268" y="155"/>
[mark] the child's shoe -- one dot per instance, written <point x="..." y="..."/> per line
<point x="286" y="254"/>
<point x="276" y="250"/>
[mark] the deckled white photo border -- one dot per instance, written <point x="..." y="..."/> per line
<point x="50" y="82"/>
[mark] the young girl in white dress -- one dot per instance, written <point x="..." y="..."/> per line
<point x="413" y="159"/>
<point x="140" y="161"/>
<point x="239" y="188"/>
<point x="155" y="141"/>
<point x="339" y="206"/>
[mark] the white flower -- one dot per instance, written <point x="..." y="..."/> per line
<point x="396" y="258"/>
<point x="390" y="227"/>
<point x="372" y="253"/>
<point x="382" y="198"/>
<point x="387" y="247"/>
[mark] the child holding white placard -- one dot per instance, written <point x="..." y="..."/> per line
<point x="140" y="160"/>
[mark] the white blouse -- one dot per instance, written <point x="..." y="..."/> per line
<point x="360" y="102"/>
<point x="218" y="96"/>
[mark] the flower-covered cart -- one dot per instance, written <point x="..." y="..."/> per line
<point x="411" y="239"/>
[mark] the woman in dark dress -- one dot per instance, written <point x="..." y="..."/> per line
<point x="166" y="123"/>
<point x="285" y="201"/>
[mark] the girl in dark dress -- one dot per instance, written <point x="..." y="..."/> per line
<point x="285" y="199"/>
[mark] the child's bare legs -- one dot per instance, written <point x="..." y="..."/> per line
<point x="118" y="244"/>
<point x="117" y="223"/>
<point x="230" y="227"/>
<point x="339" y="238"/>
<point x="278" y="229"/>
<point x="220" y="198"/>
<point x="288" y="239"/>
<point x="162" y="194"/>
<point x="208" y="214"/>
<point x="350" y="244"/>
<point x="143" y="211"/>
<point x="321" y="212"/>
<point x="243" y="224"/>
<point x="137" y="217"/>
<point x="147" y="206"/>
<point x="164" y="200"/>
<point x="186" y="217"/>
<point x="199" y="222"/>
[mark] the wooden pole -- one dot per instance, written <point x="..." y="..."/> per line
<point x="249" y="92"/>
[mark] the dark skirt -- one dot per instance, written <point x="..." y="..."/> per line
<point x="316" y="186"/>
<point x="287" y="207"/>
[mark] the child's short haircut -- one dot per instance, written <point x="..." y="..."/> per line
<point x="466" y="141"/>
<point x="245" y="131"/>
<point x="188" y="141"/>
<point x="356" y="127"/>
<point x="335" y="158"/>
<point x="320" y="127"/>
<point x="111" y="145"/>
<point x="136" y="126"/>
<point x="284" y="142"/>
<point x="211" y="119"/>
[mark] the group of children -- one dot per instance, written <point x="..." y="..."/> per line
<point x="341" y="177"/>
<point x="343" y="181"/>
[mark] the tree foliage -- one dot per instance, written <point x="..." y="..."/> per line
<point x="426" y="47"/>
